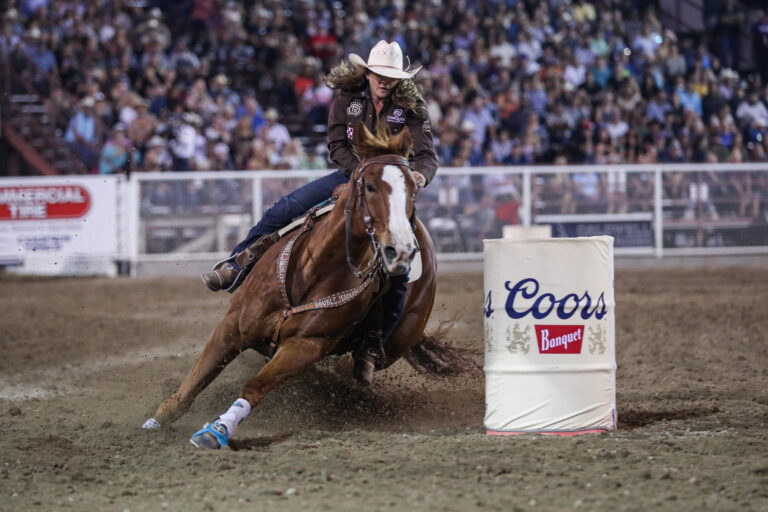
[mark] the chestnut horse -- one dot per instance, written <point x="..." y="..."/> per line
<point x="332" y="268"/>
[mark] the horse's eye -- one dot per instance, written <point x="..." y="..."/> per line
<point x="370" y="188"/>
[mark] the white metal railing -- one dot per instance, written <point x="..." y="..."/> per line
<point x="689" y="208"/>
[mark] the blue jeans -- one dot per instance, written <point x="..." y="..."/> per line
<point x="291" y="206"/>
<point x="300" y="201"/>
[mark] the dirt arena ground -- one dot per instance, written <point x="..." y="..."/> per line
<point x="85" y="361"/>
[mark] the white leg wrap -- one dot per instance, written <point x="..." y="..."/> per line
<point x="151" y="424"/>
<point x="235" y="415"/>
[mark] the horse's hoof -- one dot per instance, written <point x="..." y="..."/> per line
<point x="211" y="437"/>
<point x="151" y="424"/>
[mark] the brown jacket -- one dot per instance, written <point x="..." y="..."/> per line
<point x="350" y="108"/>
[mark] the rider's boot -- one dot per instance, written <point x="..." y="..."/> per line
<point x="220" y="278"/>
<point x="365" y="364"/>
<point x="365" y="358"/>
<point x="228" y="274"/>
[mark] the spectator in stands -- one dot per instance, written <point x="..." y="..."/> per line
<point x="528" y="57"/>
<point x="157" y="157"/>
<point x="751" y="111"/>
<point x="689" y="98"/>
<point x="184" y="141"/>
<point x="153" y="32"/>
<point x="143" y="126"/>
<point x="315" y="101"/>
<point x="260" y="156"/>
<point x="480" y="116"/>
<point x="81" y="133"/>
<point x="316" y="159"/>
<point x="252" y="111"/>
<point x="646" y="42"/>
<point x="219" y="156"/>
<point x="674" y="64"/>
<point x="117" y="155"/>
<point x="602" y="72"/>
<point x="275" y="132"/>
<point x="574" y="73"/>
<point x="309" y="69"/>
<point x="42" y="58"/>
<point x="587" y="191"/>
<point x="658" y="107"/>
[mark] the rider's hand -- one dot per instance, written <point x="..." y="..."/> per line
<point x="421" y="181"/>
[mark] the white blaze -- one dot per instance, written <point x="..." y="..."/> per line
<point x="399" y="226"/>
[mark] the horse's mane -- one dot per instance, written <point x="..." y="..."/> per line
<point x="369" y="145"/>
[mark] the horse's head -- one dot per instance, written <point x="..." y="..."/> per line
<point x="386" y="188"/>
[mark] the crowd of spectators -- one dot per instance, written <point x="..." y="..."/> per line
<point x="213" y="84"/>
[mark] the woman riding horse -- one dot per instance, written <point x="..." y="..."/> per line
<point x="376" y="93"/>
<point x="315" y="289"/>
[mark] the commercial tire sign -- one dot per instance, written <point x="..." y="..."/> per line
<point x="44" y="202"/>
<point x="59" y="226"/>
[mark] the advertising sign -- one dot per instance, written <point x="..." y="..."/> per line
<point x="549" y="336"/>
<point x="59" y="226"/>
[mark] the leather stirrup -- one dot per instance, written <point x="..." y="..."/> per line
<point x="256" y="250"/>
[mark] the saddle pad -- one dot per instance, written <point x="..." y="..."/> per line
<point x="299" y="221"/>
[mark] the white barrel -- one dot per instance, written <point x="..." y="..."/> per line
<point x="550" y="363"/>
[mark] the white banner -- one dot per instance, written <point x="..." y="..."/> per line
<point x="549" y="336"/>
<point x="66" y="225"/>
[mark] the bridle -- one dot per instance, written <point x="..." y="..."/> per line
<point x="368" y="274"/>
<point x="367" y="218"/>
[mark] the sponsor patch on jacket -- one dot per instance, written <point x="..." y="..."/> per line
<point x="396" y="117"/>
<point x="355" y="108"/>
<point x="350" y="132"/>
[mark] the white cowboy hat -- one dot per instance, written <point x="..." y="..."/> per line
<point x="385" y="59"/>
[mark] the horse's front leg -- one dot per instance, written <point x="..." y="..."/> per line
<point x="294" y="356"/>
<point x="222" y="347"/>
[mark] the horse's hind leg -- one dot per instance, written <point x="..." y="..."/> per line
<point x="222" y="347"/>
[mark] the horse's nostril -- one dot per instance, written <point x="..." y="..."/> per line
<point x="390" y="253"/>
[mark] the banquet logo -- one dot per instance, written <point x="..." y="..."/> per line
<point x="564" y="307"/>
<point x="560" y="339"/>
<point x="44" y="202"/>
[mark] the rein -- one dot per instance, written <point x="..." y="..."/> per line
<point x="368" y="274"/>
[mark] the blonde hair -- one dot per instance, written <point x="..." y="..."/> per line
<point x="349" y="77"/>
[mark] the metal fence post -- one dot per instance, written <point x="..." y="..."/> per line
<point x="527" y="216"/>
<point x="658" y="222"/>
<point x="258" y="199"/>
<point x="131" y="210"/>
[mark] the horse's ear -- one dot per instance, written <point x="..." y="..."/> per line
<point x="403" y="142"/>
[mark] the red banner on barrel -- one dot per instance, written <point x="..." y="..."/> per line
<point x="560" y="339"/>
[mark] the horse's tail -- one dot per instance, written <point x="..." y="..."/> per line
<point x="432" y="355"/>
